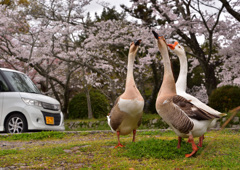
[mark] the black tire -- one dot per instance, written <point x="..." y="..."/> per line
<point x="16" y="123"/>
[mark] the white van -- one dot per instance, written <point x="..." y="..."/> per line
<point x="23" y="107"/>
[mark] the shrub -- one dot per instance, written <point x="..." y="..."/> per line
<point x="78" y="105"/>
<point x="225" y="98"/>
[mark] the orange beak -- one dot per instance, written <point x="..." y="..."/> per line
<point x="172" y="46"/>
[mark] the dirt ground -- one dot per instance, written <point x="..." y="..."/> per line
<point x="76" y="137"/>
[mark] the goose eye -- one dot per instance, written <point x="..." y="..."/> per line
<point x="179" y="47"/>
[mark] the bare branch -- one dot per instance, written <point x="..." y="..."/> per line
<point x="231" y="11"/>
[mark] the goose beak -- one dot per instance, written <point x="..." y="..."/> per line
<point x="155" y="34"/>
<point x="158" y="37"/>
<point x="172" y="46"/>
<point x="134" y="46"/>
<point x="137" y="42"/>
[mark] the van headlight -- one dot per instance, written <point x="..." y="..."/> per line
<point x="32" y="102"/>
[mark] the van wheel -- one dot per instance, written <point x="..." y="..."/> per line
<point x="16" y="123"/>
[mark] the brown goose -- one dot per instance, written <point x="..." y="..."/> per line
<point x="186" y="120"/>
<point x="125" y="116"/>
<point x="181" y="86"/>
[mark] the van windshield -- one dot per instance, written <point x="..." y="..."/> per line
<point x="21" y="82"/>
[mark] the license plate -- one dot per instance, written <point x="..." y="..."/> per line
<point x="50" y="120"/>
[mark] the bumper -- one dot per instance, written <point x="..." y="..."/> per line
<point x="36" y="119"/>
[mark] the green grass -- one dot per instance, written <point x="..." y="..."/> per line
<point x="85" y="120"/>
<point x="152" y="150"/>
<point x="33" y="136"/>
<point x="155" y="148"/>
<point x="158" y="132"/>
<point x="7" y="152"/>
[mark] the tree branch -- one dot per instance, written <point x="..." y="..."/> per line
<point x="231" y="11"/>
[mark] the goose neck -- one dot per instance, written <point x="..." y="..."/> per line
<point x="130" y="78"/>
<point x="168" y="84"/>
<point x="181" y="83"/>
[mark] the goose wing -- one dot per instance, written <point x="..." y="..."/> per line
<point x="114" y="105"/>
<point x="191" y="110"/>
<point x="175" y="117"/>
<point x="179" y="120"/>
<point x="116" y="116"/>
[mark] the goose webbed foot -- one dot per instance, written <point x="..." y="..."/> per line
<point x="119" y="144"/>
<point x="189" y="155"/>
<point x="194" y="147"/>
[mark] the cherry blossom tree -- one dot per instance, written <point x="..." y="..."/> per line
<point x="230" y="71"/>
<point x="109" y="42"/>
<point x="52" y="29"/>
<point x="53" y="49"/>
<point x="187" y="21"/>
<point x="107" y="50"/>
<point x="64" y="51"/>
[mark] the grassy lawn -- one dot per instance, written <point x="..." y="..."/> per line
<point x="152" y="150"/>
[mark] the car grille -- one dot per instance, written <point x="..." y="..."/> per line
<point x="57" y="117"/>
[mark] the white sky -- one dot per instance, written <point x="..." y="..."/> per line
<point x="95" y="7"/>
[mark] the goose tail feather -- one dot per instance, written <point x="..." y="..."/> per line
<point x="223" y="114"/>
<point x="109" y="120"/>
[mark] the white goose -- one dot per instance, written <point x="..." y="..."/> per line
<point x="186" y="120"/>
<point x="126" y="114"/>
<point x="181" y="86"/>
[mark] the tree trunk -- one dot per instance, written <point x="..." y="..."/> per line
<point x="210" y="79"/>
<point x="150" y="103"/>
<point x="65" y="102"/>
<point x="89" y="105"/>
<point x="66" y="94"/>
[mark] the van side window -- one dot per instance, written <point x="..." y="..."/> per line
<point x="3" y="85"/>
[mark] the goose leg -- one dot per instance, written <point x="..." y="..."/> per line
<point x="194" y="147"/>
<point x="201" y="141"/>
<point x="119" y="144"/>
<point x="179" y="142"/>
<point x="134" y="133"/>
